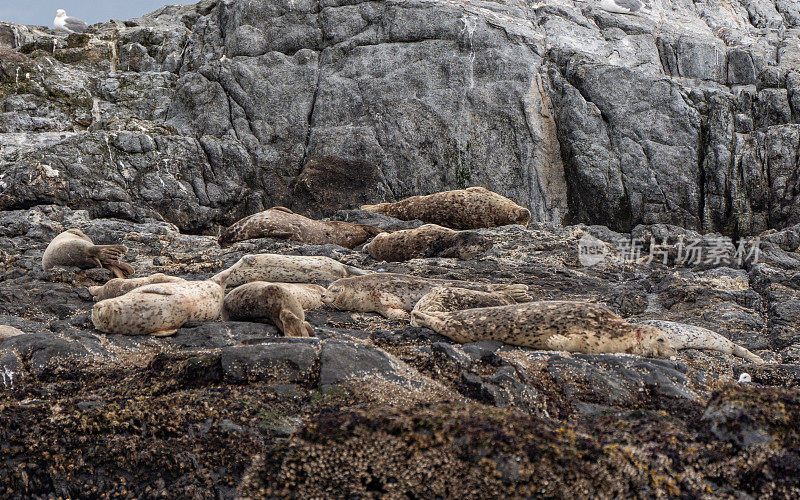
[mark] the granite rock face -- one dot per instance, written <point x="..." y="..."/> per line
<point x="685" y="114"/>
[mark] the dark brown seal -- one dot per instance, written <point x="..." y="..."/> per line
<point x="280" y="222"/>
<point x="425" y="241"/>
<point x="470" y="208"/>
<point x="259" y="299"/>
<point x="73" y="248"/>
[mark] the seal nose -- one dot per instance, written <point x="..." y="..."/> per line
<point x="523" y="216"/>
<point x="326" y="299"/>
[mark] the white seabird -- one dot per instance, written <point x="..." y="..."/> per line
<point x="620" y="6"/>
<point x="67" y="24"/>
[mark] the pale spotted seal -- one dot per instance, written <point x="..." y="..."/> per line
<point x="470" y="208"/>
<point x="6" y="332"/>
<point x="550" y="325"/>
<point x="425" y="241"/>
<point x="280" y="222"/>
<point x="394" y="295"/>
<point x="445" y="299"/>
<point x="287" y="268"/>
<point x="119" y="286"/>
<point x="159" y="309"/>
<point x="73" y="248"/>
<point x="273" y="301"/>
<point x="683" y="336"/>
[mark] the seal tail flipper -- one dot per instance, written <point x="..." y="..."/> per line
<point x="374" y="208"/>
<point x="425" y="320"/>
<point x="746" y="354"/>
<point x="120" y="269"/>
<point x="516" y="292"/>
<point x="371" y="230"/>
<point x="309" y="329"/>
<point x="108" y="253"/>
<point x="393" y="313"/>
<point x="292" y="325"/>
<point x="354" y="271"/>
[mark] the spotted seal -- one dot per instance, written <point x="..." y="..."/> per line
<point x="119" y="286"/>
<point x="274" y="301"/>
<point x="446" y="299"/>
<point x="470" y="208"/>
<point x="73" y="248"/>
<point x="394" y="295"/>
<point x="551" y="325"/>
<point x="160" y="308"/>
<point x="683" y="336"/>
<point x="429" y="240"/>
<point x="287" y="268"/>
<point x="280" y="222"/>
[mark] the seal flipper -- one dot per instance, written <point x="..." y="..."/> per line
<point x="292" y="325"/>
<point x="309" y="329"/>
<point x="108" y="253"/>
<point x="282" y="209"/>
<point x="120" y="269"/>
<point x="516" y="292"/>
<point x="354" y="271"/>
<point x="392" y="312"/>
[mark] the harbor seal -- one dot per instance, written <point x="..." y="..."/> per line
<point x="273" y="301"/>
<point x="550" y="325"/>
<point x="394" y="295"/>
<point x="73" y="248"/>
<point x="160" y="308"/>
<point x="280" y="222"/>
<point x="470" y="208"/>
<point x="287" y="268"/>
<point x="683" y="336"/>
<point x="425" y="241"/>
<point x="6" y="332"/>
<point x="120" y="286"/>
<point x="446" y="299"/>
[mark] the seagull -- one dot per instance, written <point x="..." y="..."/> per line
<point x="620" y="6"/>
<point x="745" y="378"/>
<point x="68" y="24"/>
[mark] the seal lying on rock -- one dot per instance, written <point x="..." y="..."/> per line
<point x="274" y="301"/>
<point x="682" y="336"/>
<point x="73" y="248"/>
<point x="446" y="299"/>
<point x="280" y="222"/>
<point x="6" y="332"/>
<point x="287" y="268"/>
<point x="394" y="295"/>
<point x="429" y="240"/>
<point x="470" y="208"/>
<point x="551" y="325"/>
<point x="160" y="308"/>
<point x="119" y="286"/>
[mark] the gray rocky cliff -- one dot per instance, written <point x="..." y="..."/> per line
<point x="685" y="114"/>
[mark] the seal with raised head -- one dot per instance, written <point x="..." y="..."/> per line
<point x="683" y="336"/>
<point x="161" y="308"/>
<point x="73" y="248"/>
<point x="425" y="241"/>
<point x="120" y="286"/>
<point x="274" y="301"/>
<point x="394" y="295"/>
<point x="550" y="325"/>
<point x="470" y="208"/>
<point x="6" y="332"/>
<point x="287" y="268"/>
<point x="446" y="299"/>
<point x="280" y="222"/>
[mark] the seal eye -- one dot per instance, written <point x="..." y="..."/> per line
<point x="661" y="340"/>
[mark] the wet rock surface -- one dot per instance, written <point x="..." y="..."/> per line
<point x="369" y="406"/>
